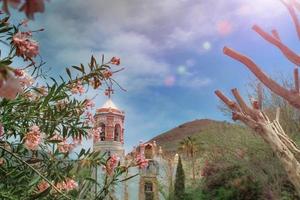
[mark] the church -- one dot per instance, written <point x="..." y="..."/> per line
<point x="153" y="182"/>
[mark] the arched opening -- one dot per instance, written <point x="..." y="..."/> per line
<point x="102" y="133"/>
<point x="148" y="191"/>
<point x="148" y="151"/>
<point x="117" y="132"/>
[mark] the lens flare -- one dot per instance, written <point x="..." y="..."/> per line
<point x="181" y="70"/>
<point x="206" y="45"/>
<point x="224" y="27"/>
<point x="170" y="81"/>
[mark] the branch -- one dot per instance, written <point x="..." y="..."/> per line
<point x="284" y="137"/>
<point x="276" y="34"/>
<point x="292" y="98"/>
<point x="36" y="171"/>
<point x="232" y="105"/>
<point x="259" y="95"/>
<point x="293" y="14"/>
<point x="237" y="112"/>
<point x="290" y="55"/>
<point x="241" y="102"/>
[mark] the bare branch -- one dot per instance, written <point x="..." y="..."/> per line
<point x="293" y="14"/>
<point x="290" y="55"/>
<point x="276" y="34"/>
<point x="232" y="105"/>
<point x="259" y="95"/>
<point x="241" y="102"/>
<point x="256" y="71"/>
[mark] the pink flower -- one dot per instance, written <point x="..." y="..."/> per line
<point x="42" y="186"/>
<point x="29" y="7"/>
<point x="10" y="87"/>
<point x="106" y="73"/>
<point x="19" y="72"/>
<point x="26" y="47"/>
<point x="62" y="104"/>
<point x="56" y="137"/>
<point x="32" y="6"/>
<point x="89" y="118"/>
<point x="67" y="185"/>
<point x="77" y="88"/>
<point x="64" y="147"/>
<point x="141" y="161"/>
<point x="26" y="80"/>
<point x="77" y="140"/>
<point x="96" y="134"/>
<point x="95" y="83"/>
<point x="115" y="61"/>
<point x="33" y="138"/>
<point x="111" y="164"/>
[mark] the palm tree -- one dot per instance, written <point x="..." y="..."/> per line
<point x="189" y="146"/>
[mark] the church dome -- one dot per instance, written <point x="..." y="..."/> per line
<point x="109" y="106"/>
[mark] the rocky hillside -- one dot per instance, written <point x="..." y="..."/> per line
<point x="209" y="130"/>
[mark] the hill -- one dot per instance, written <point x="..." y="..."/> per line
<point x="229" y="152"/>
<point x="200" y="128"/>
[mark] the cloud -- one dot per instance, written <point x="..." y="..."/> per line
<point x="143" y="34"/>
<point x="150" y="38"/>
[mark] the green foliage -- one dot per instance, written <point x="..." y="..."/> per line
<point x="179" y="186"/>
<point x="55" y="111"/>
<point x="230" y="182"/>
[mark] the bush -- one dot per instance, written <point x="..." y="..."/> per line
<point x="229" y="182"/>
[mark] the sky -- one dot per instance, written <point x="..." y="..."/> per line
<point x="171" y="51"/>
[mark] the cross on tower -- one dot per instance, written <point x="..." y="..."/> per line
<point x="109" y="91"/>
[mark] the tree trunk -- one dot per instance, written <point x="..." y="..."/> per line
<point x="284" y="154"/>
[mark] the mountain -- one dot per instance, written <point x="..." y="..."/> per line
<point x="204" y="130"/>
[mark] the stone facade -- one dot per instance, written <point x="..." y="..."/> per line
<point x="111" y="121"/>
<point x="151" y="181"/>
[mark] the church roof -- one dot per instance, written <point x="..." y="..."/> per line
<point x="109" y="104"/>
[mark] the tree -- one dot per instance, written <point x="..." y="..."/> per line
<point x="41" y="123"/>
<point x="179" y="187"/>
<point x="189" y="145"/>
<point x="271" y="131"/>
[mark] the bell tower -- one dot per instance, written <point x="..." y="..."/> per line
<point x="110" y="119"/>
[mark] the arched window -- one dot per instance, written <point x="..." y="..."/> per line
<point x="149" y="191"/>
<point x="102" y="133"/>
<point x="117" y="132"/>
<point x="148" y="151"/>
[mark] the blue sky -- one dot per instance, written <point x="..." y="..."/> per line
<point x="171" y="49"/>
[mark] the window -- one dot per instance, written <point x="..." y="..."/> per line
<point x="102" y="133"/>
<point x="148" y="187"/>
<point x="149" y="191"/>
<point x="148" y="151"/>
<point x="117" y="132"/>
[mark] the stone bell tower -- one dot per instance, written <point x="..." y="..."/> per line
<point x="111" y="120"/>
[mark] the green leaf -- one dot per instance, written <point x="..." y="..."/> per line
<point x="69" y="72"/>
<point x="3" y="30"/>
<point x="77" y="68"/>
<point x="41" y="195"/>
<point x="34" y="181"/>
